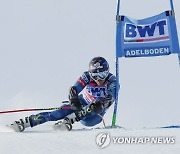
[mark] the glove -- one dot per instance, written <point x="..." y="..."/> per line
<point x="97" y="107"/>
<point x="108" y="101"/>
<point x="73" y="99"/>
<point x="75" y="104"/>
<point x="101" y="103"/>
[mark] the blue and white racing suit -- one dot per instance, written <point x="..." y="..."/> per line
<point x="88" y="91"/>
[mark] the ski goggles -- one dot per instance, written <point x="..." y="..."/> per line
<point x="99" y="75"/>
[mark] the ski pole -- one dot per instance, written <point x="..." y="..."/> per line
<point x="31" y="109"/>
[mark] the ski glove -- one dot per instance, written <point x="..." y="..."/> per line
<point x="108" y="100"/>
<point x="97" y="107"/>
<point x="74" y="100"/>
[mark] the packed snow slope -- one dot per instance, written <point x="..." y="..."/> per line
<point x="44" y="140"/>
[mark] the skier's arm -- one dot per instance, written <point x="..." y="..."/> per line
<point x="82" y="82"/>
<point x="75" y="90"/>
<point x="111" y="95"/>
<point x="112" y="86"/>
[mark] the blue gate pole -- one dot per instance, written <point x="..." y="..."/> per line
<point x="117" y="73"/>
<point x="172" y="8"/>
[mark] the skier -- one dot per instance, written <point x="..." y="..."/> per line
<point x="89" y="99"/>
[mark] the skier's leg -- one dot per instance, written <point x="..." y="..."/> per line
<point x="66" y="122"/>
<point x="88" y="116"/>
<point x="41" y="118"/>
<point x="92" y="120"/>
<point x="50" y="116"/>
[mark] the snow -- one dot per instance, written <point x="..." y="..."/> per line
<point x="45" y="140"/>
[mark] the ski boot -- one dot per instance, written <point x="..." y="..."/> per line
<point x="19" y="126"/>
<point x="66" y="123"/>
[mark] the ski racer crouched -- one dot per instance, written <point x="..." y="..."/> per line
<point x="89" y="99"/>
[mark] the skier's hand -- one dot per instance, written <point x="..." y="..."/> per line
<point x="97" y="107"/>
<point x="106" y="101"/>
<point x="75" y="104"/>
<point x="73" y="99"/>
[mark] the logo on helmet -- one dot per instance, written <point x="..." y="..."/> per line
<point x="97" y="65"/>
